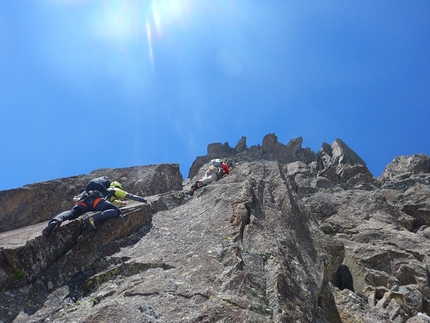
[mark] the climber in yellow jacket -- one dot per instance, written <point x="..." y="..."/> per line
<point x="99" y="195"/>
<point x="115" y="195"/>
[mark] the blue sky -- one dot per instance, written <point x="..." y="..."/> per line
<point x="90" y="84"/>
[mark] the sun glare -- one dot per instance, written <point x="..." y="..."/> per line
<point x="118" y="21"/>
<point x="169" y="11"/>
<point x="127" y="21"/>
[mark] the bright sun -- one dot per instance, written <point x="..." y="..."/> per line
<point x="127" y="21"/>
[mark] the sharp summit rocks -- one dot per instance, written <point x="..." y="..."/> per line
<point x="289" y="235"/>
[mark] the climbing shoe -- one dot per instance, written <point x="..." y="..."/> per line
<point x="50" y="228"/>
<point x="89" y="222"/>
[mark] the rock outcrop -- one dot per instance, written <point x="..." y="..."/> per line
<point x="289" y="236"/>
<point x="38" y="202"/>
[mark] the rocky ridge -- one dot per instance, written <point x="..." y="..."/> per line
<point x="289" y="236"/>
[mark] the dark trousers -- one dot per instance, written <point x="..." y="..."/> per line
<point x="107" y="211"/>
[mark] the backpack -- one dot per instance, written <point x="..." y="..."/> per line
<point x="100" y="184"/>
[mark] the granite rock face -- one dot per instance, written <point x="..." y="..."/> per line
<point x="289" y="236"/>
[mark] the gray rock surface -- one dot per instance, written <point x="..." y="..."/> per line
<point x="289" y="236"/>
